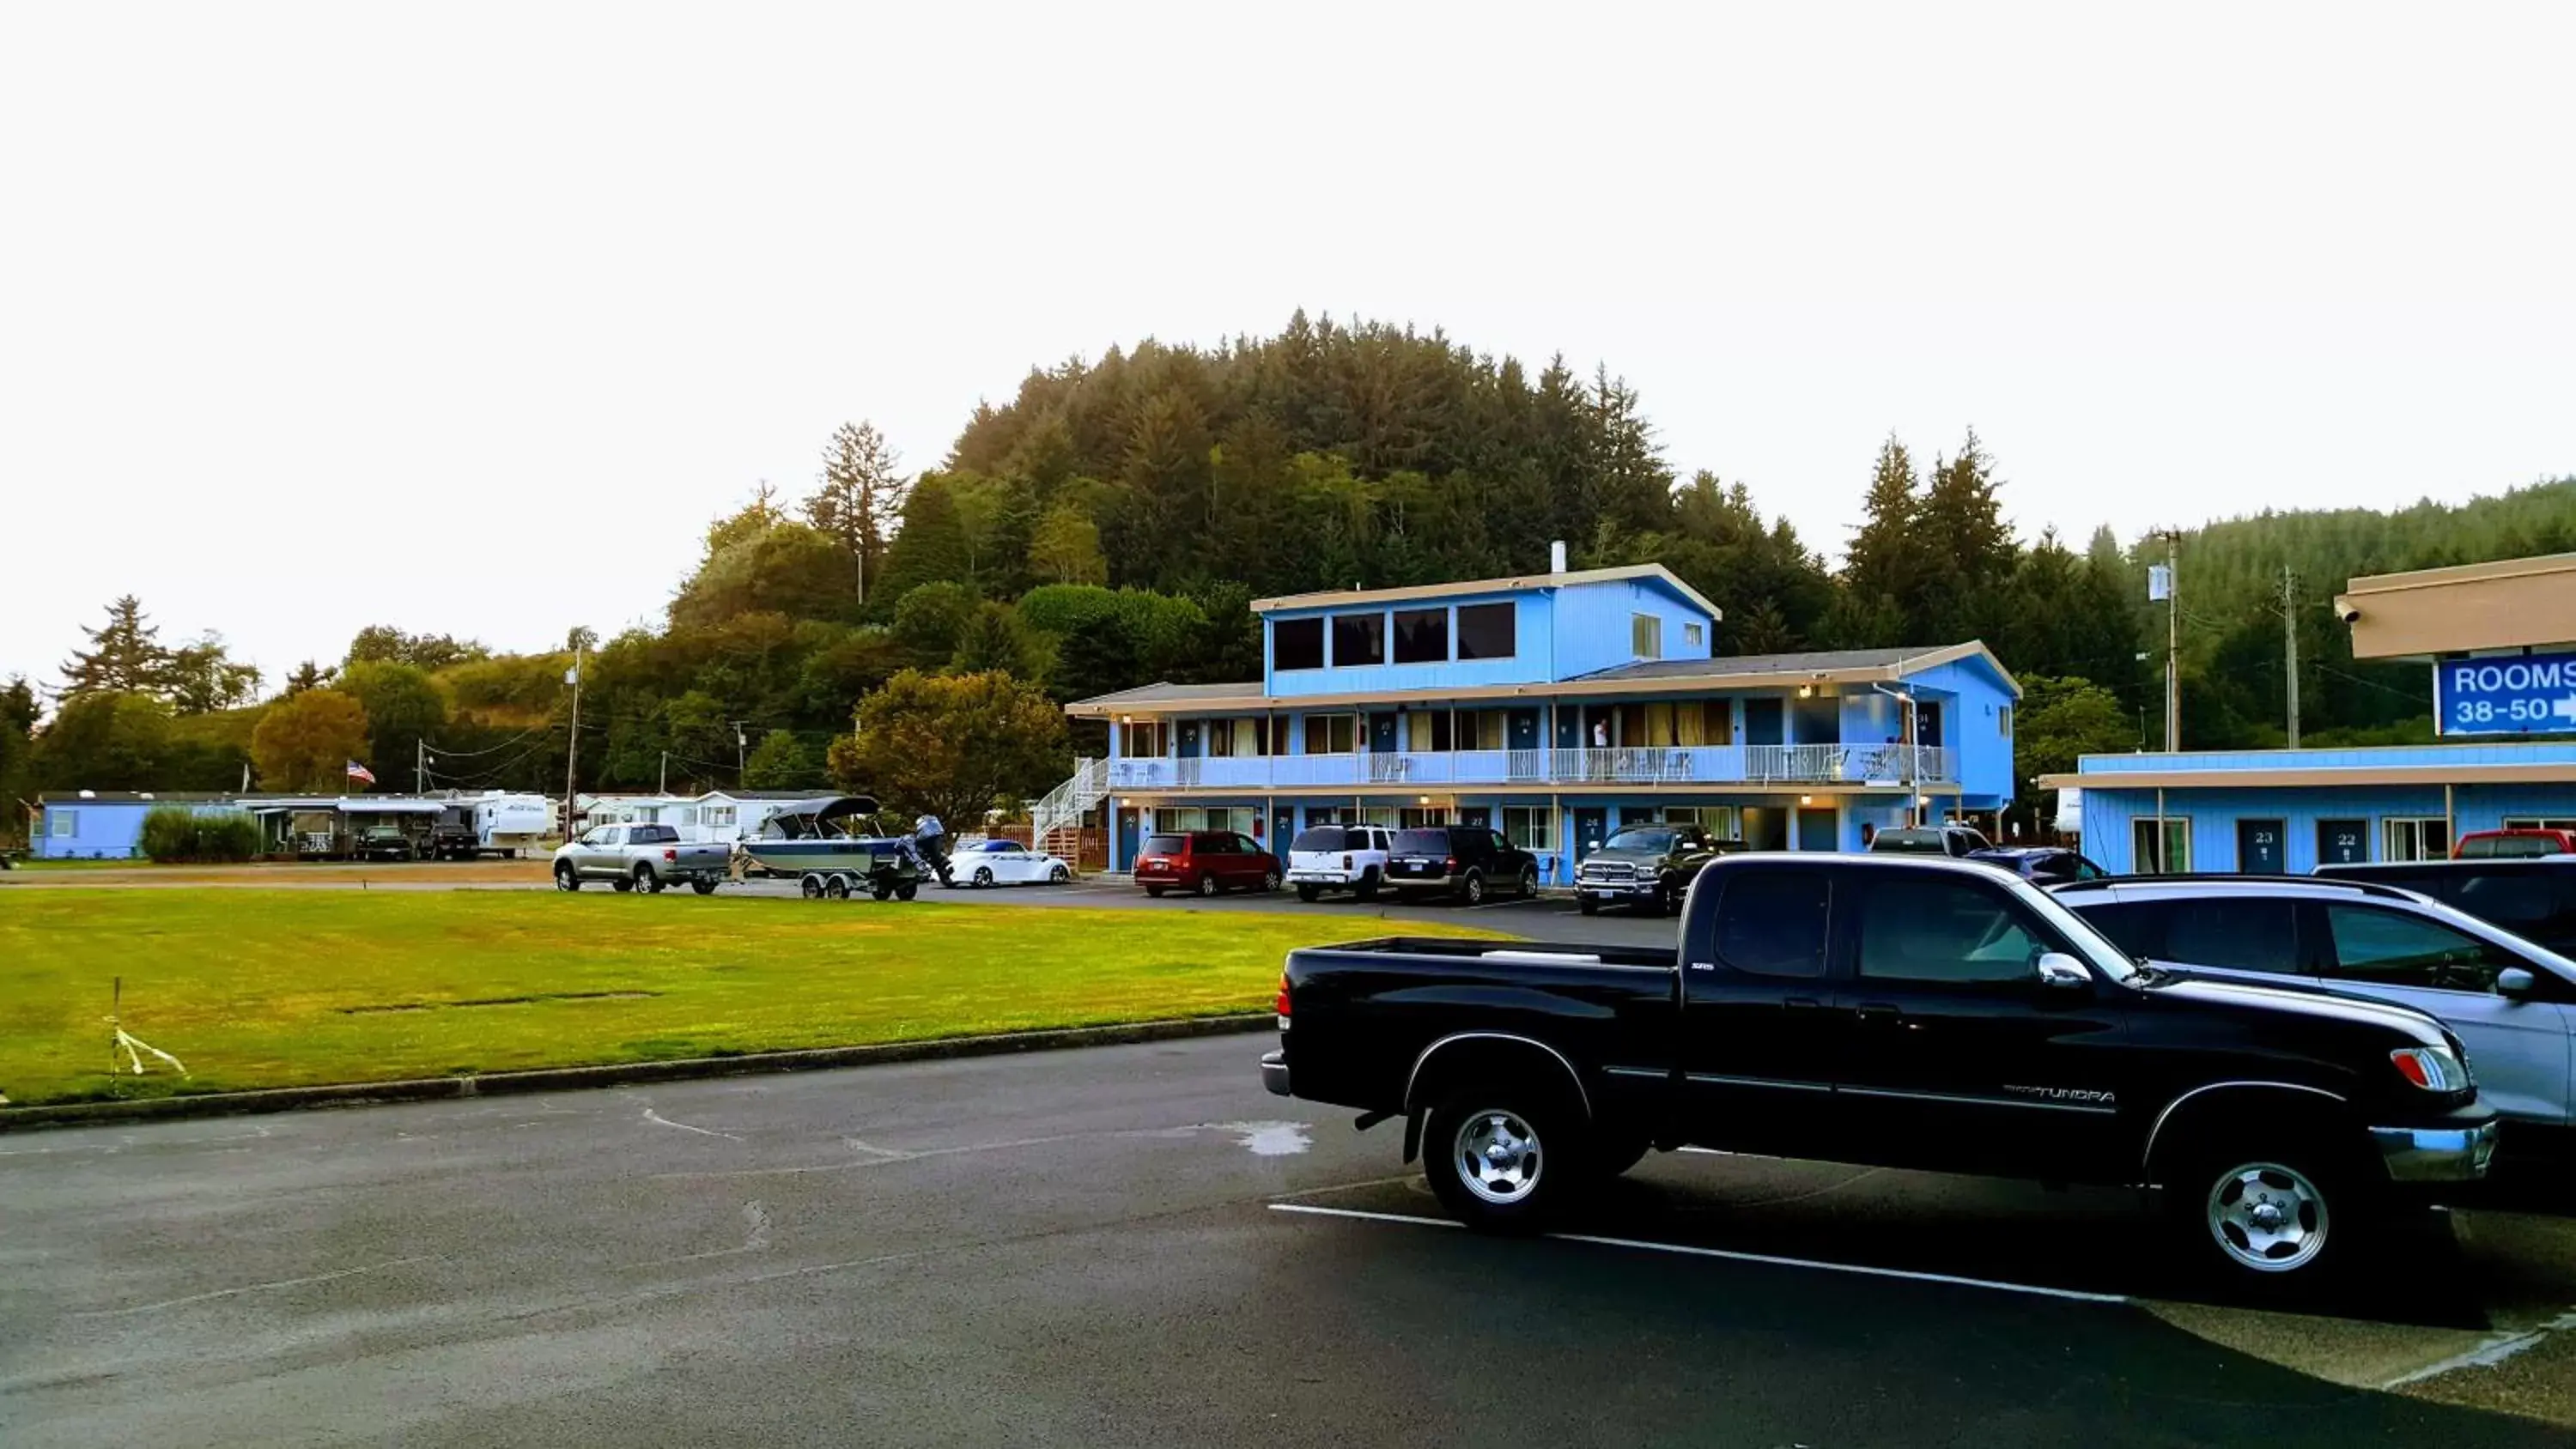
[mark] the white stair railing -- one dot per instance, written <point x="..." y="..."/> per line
<point x="1061" y="809"/>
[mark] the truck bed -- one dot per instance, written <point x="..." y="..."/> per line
<point x="1365" y="1012"/>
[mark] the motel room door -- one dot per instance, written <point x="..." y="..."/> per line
<point x="2259" y="848"/>
<point x="1591" y="827"/>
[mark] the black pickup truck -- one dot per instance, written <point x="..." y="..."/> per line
<point x="1901" y="1010"/>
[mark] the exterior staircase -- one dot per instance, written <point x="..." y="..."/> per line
<point x="1055" y="821"/>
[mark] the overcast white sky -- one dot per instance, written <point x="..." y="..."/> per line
<point x="312" y="317"/>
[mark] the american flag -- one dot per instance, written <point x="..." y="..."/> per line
<point x="361" y="772"/>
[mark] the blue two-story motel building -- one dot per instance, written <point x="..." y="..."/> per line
<point x="1552" y="708"/>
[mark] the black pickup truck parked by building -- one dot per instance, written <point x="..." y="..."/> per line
<point x="1901" y="1010"/>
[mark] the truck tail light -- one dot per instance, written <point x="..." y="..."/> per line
<point x="2431" y="1068"/>
<point x="672" y="856"/>
<point x="1346" y="862"/>
<point x="1282" y="1002"/>
<point x="1450" y="864"/>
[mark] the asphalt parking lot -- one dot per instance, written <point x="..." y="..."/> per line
<point x="1137" y="1245"/>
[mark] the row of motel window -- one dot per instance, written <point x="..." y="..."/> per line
<point x="1436" y="636"/>
<point x="1531" y="827"/>
<point x="1684" y="725"/>
<point x="2162" y="845"/>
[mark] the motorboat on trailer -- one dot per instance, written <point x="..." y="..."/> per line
<point x="831" y="847"/>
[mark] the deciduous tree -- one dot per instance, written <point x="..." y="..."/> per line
<point x="954" y="745"/>
<point x="305" y="742"/>
<point x="203" y="677"/>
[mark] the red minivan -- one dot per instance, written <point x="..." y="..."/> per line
<point x="1205" y="861"/>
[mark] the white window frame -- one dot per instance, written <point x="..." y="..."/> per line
<point x="1646" y="636"/>
<point x="63" y="824"/>
<point x="1694" y="636"/>
<point x="2401" y="837"/>
<point x="2538" y="822"/>
<point x="1530" y="827"/>
<point x="2165" y="826"/>
<point x="2003" y="720"/>
<point x="720" y="816"/>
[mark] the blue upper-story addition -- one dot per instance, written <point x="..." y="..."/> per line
<point x="1538" y="629"/>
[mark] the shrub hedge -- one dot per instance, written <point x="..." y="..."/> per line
<point x="175" y="834"/>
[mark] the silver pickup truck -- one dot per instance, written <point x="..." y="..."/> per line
<point x="640" y="858"/>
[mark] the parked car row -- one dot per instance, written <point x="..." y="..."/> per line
<point x="1467" y="863"/>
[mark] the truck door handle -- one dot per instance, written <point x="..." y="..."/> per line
<point x="1880" y="1014"/>
<point x="1802" y="1003"/>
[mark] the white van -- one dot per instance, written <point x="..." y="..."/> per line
<point x="1338" y="858"/>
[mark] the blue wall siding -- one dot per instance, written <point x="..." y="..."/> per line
<point x="1593" y="625"/>
<point x="1971" y="724"/>
<point x="102" y="831"/>
<point x="2214" y="814"/>
<point x="1531" y="662"/>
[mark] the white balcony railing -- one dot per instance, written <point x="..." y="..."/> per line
<point x="1885" y="766"/>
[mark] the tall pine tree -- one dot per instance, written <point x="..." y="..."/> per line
<point x="125" y="655"/>
<point x="861" y="496"/>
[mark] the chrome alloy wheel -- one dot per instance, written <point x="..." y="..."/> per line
<point x="1498" y="1157"/>
<point x="2267" y="1217"/>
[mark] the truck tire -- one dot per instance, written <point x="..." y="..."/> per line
<point x="1529" y="883"/>
<point x="1472" y="890"/>
<point x="621" y="884"/>
<point x="567" y="878"/>
<point x="1308" y="893"/>
<point x="2265" y="1213"/>
<point x="646" y="881"/>
<point x="1367" y="890"/>
<point x="703" y="886"/>
<point x="1503" y="1157"/>
<point x="1587" y="905"/>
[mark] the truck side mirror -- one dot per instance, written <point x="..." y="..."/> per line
<point x="2061" y="972"/>
<point x="2516" y="982"/>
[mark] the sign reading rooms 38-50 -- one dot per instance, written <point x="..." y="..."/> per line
<point x="2523" y="694"/>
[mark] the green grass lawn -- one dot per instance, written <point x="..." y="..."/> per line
<point x="260" y="988"/>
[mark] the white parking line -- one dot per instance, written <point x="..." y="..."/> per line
<point x="1773" y="1260"/>
<point x="2486" y="1355"/>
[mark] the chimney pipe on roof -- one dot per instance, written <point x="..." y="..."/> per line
<point x="1556" y="557"/>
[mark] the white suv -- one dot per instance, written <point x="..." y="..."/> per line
<point x="1338" y="858"/>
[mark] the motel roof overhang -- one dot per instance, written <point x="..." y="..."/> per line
<point x="2317" y="777"/>
<point x="2508" y="604"/>
<point x="1655" y="677"/>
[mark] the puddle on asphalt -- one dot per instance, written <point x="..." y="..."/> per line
<point x="1267" y="1139"/>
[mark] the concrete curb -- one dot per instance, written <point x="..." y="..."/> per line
<point x="565" y="1079"/>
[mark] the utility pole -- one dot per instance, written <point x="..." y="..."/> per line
<point x="419" y="766"/>
<point x="665" y="787"/>
<point x="2173" y="639"/>
<point x="2290" y="646"/>
<point x="572" y="744"/>
<point x="738" y="761"/>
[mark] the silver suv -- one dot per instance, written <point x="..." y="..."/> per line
<point x="2512" y="1003"/>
